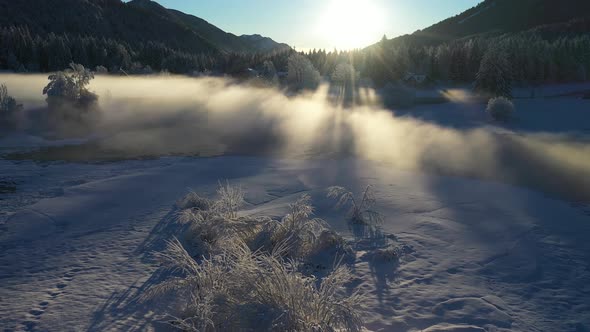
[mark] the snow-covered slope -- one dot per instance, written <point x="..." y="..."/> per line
<point x="480" y="255"/>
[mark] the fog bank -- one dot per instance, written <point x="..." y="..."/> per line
<point x="159" y="115"/>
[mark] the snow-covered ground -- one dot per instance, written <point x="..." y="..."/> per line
<point x="549" y="112"/>
<point x="483" y="255"/>
<point x="482" y="251"/>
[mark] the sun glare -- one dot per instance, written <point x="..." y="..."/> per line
<point x="348" y="24"/>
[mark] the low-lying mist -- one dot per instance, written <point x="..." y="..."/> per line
<point x="161" y="115"/>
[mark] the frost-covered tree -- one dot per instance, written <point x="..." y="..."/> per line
<point x="70" y="86"/>
<point x="344" y="74"/>
<point x="8" y="108"/>
<point x="101" y="70"/>
<point x="494" y="76"/>
<point x="301" y="72"/>
<point x="7" y="103"/>
<point x="269" y="73"/>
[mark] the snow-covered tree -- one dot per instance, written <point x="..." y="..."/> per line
<point x="70" y="86"/>
<point x="7" y="103"/>
<point x="8" y="108"/>
<point x="344" y="74"/>
<point x="494" y="76"/>
<point x="101" y="70"/>
<point x="269" y="73"/>
<point x="301" y="72"/>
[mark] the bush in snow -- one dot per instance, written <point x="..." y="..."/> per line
<point x="301" y="73"/>
<point x="500" y="108"/>
<point x="360" y="208"/>
<point x="9" y="108"/>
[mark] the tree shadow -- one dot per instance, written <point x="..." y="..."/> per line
<point x="530" y="246"/>
<point x="125" y="310"/>
<point x="127" y="307"/>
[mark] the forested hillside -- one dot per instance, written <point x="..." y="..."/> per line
<point x="225" y="41"/>
<point x="530" y="41"/>
<point x="501" y="16"/>
<point x="46" y="35"/>
<point x="538" y="40"/>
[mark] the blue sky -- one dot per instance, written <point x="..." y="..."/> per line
<point x="308" y="24"/>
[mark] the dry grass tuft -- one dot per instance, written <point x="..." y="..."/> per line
<point x="242" y="290"/>
<point x="361" y="211"/>
<point x="249" y="275"/>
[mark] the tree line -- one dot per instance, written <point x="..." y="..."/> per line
<point x="531" y="58"/>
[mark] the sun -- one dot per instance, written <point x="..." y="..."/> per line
<point x="348" y="24"/>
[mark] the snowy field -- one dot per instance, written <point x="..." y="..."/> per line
<point x="483" y="251"/>
<point x="75" y="260"/>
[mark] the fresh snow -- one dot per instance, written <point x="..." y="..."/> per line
<point x="480" y="255"/>
<point x="76" y="238"/>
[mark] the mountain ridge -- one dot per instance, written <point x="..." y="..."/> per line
<point x="226" y="41"/>
<point x="500" y="16"/>
<point x="136" y="21"/>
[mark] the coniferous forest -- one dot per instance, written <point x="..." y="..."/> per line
<point x="553" y="52"/>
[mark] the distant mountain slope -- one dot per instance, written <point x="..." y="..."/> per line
<point x="263" y="44"/>
<point x="510" y="16"/>
<point x="502" y="16"/>
<point x="132" y="22"/>
<point x="225" y="41"/>
<point x="101" y="18"/>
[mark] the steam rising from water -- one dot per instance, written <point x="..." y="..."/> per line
<point x="207" y="116"/>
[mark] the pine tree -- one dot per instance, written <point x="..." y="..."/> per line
<point x="494" y="77"/>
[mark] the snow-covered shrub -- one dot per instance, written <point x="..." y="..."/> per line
<point x="231" y="199"/>
<point x="192" y="200"/>
<point x="203" y="289"/>
<point x="9" y="109"/>
<point x="298" y="230"/>
<point x="211" y="223"/>
<point x="211" y="234"/>
<point x="500" y="108"/>
<point x="301" y="73"/>
<point x="239" y="289"/>
<point x="294" y="302"/>
<point x="360" y="208"/>
<point x="248" y="276"/>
